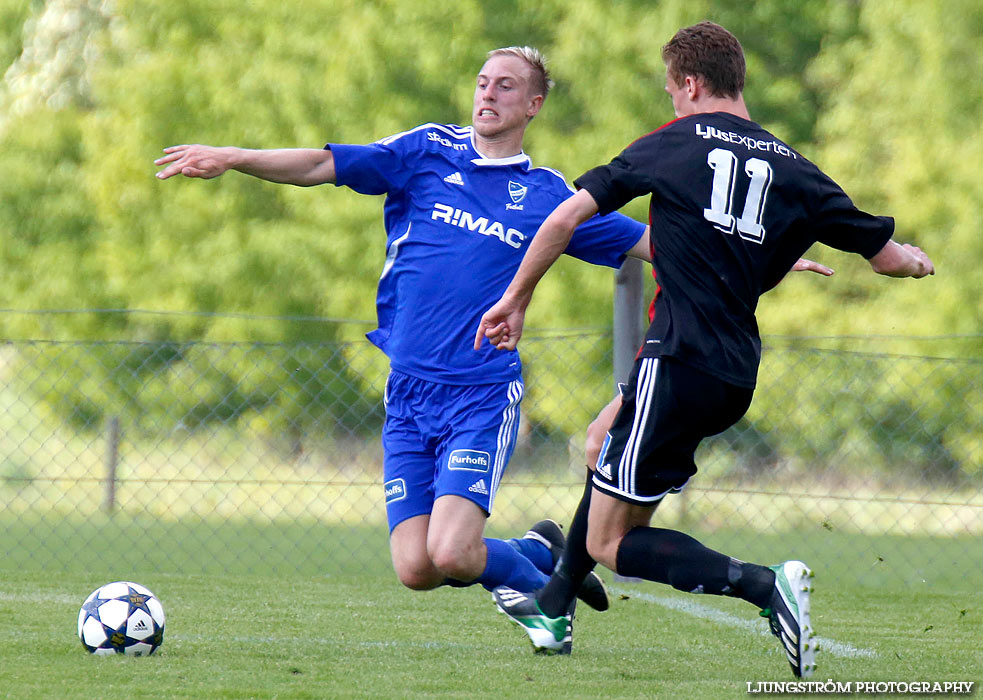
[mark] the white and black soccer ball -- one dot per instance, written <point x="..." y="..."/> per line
<point x="121" y="618"/>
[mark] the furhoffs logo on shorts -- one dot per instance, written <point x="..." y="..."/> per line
<point x="469" y="460"/>
<point x="395" y="490"/>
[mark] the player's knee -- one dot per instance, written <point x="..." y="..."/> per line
<point x="596" y="434"/>
<point x="597" y="431"/>
<point x="463" y="561"/>
<point x="415" y="570"/>
<point x="603" y="549"/>
<point x="418" y="578"/>
<point x="414" y="580"/>
<point x="452" y="563"/>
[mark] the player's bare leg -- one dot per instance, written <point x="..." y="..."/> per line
<point x="454" y="540"/>
<point x="609" y="521"/>
<point x="412" y="563"/>
<point x="598" y="429"/>
<point x="457" y="549"/>
<point x="427" y="550"/>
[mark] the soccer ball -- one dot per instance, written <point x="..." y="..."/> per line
<point x="121" y="618"/>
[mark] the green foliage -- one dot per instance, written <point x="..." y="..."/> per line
<point x="899" y="133"/>
<point x="271" y="75"/>
<point x="304" y="390"/>
<point x="877" y="93"/>
<point x="15" y="474"/>
<point x="13" y="15"/>
<point x="863" y="415"/>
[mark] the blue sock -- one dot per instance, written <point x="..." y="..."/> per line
<point x="506" y="566"/>
<point x="535" y="551"/>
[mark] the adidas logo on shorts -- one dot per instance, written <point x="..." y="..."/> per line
<point x="479" y="487"/>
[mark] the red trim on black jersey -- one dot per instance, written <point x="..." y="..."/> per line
<point x="656" y="130"/>
<point x="652" y="256"/>
<point x="658" y="288"/>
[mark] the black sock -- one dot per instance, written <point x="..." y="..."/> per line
<point x="574" y="565"/>
<point x="755" y="584"/>
<point x="674" y="558"/>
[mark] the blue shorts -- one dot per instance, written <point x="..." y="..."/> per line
<point x="445" y="439"/>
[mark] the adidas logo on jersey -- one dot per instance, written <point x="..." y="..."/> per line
<point x="455" y="179"/>
<point x="479" y="487"/>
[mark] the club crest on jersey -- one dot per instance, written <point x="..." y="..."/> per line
<point x="517" y="192"/>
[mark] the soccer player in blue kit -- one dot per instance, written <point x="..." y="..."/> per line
<point x="731" y="208"/>
<point x="462" y="204"/>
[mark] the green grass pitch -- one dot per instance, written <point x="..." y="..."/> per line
<point x="315" y="612"/>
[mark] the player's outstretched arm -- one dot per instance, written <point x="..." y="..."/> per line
<point x="502" y="324"/>
<point x="292" y="166"/>
<point x="897" y="260"/>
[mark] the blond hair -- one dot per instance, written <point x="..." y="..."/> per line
<point x="536" y="60"/>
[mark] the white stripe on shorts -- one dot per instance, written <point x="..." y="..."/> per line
<point x="506" y="438"/>
<point x="644" y="389"/>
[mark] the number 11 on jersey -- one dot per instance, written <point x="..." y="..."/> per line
<point x="720" y="212"/>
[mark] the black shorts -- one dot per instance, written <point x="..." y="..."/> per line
<point x="668" y="407"/>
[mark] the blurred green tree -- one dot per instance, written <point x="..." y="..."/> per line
<point x="877" y="93"/>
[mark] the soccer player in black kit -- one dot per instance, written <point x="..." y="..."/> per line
<point x="732" y="208"/>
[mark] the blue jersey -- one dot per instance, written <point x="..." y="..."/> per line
<point x="457" y="225"/>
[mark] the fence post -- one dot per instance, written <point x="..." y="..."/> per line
<point x="629" y="332"/>
<point x="112" y="457"/>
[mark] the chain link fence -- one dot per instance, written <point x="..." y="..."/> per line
<point x="253" y="457"/>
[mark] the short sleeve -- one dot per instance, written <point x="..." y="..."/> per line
<point x="623" y="179"/>
<point x="377" y="168"/>
<point x="839" y="224"/>
<point x="605" y="239"/>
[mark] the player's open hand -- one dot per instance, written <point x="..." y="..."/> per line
<point x="502" y="325"/>
<point x="194" y="160"/>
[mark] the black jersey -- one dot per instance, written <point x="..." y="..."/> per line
<point x="732" y="208"/>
